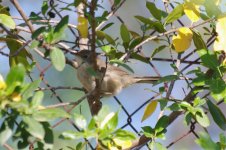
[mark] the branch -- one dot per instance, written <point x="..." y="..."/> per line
<point x="23" y="15"/>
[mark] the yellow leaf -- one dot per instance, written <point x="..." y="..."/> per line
<point x="83" y="27"/>
<point x="182" y="41"/>
<point x="122" y="143"/>
<point x="150" y="108"/>
<point x="16" y="97"/>
<point x="2" y="83"/>
<point x="220" y="42"/>
<point x="192" y="11"/>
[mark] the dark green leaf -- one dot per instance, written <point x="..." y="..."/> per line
<point x="198" y="41"/>
<point x="217" y="115"/>
<point x="116" y="2"/>
<point x="49" y="137"/>
<point x="7" y="21"/>
<point x="218" y="89"/>
<point x="30" y="89"/>
<point x="162" y="124"/>
<point x="106" y="26"/>
<point x="57" y="58"/>
<point x="156" y="13"/>
<point x="59" y="31"/>
<point x="50" y="114"/>
<point x="148" y="131"/>
<point x="145" y="20"/>
<point x="77" y="2"/>
<point x="209" y="59"/>
<point x="157" y="50"/>
<point x="139" y="57"/>
<point x="34" y="127"/>
<point x="38" y="32"/>
<point x="121" y="63"/>
<point x="124" y="33"/>
<point x="177" y="12"/>
<point x="206" y="142"/>
<point x="44" y="7"/>
<point x="188" y="118"/>
<point x="166" y="79"/>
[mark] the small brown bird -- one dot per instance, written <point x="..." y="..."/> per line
<point x="112" y="79"/>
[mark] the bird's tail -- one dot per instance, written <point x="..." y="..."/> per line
<point x="150" y="79"/>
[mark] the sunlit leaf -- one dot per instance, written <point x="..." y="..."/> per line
<point x="192" y="11"/>
<point x="34" y="127"/>
<point x="7" y="21"/>
<point x="150" y="108"/>
<point x="80" y="121"/>
<point x="206" y="142"/>
<point x="123" y="143"/>
<point x="57" y="58"/>
<point x="50" y="114"/>
<point x="175" y="14"/>
<point x="220" y="42"/>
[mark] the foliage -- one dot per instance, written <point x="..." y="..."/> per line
<point x="25" y="118"/>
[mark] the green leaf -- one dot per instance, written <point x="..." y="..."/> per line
<point x="177" y="12"/>
<point x="202" y="118"/>
<point x="156" y="13"/>
<point x="15" y="78"/>
<point x="111" y="121"/>
<point x="37" y="99"/>
<point x="218" y="89"/>
<point x="209" y="59"/>
<point x="38" y="32"/>
<point x="44" y="7"/>
<point x="139" y="57"/>
<point x="206" y="142"/>
<point x="107" y="26"/>
<point x="217" y="115"/>
<point x="145" y="20"/>
<point x="7" y="21"/>
<point x="148" y="131"/>
<point x="121" y="63"/>
<point x="59" y="31"/>
<point x="212" y="9"/>
<point x="159" y="146"/>
<point x="157" y="50"/>
<point x="198" y="41"/>
<point x="34" y="44"/>
<point x="125" y="135"/>
<point x="162" y="124"/>
<point x="116" y="2"/>
<point x="166" y="79"/>
<point x="50" y="114"/>
<point x="222" y="138"/>
<point x="6" y="131"/>
<point x="30" y="89"/>
<point x="58" y="59"/>
<point x="124" y="34"/>
<point x="80" y="121"/>
<point x="17" y="57"/>
<point x="77" y="2"/>
<point x="34" y="127"/>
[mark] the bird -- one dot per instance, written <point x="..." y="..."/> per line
<point x="112" y="79"/>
